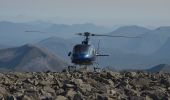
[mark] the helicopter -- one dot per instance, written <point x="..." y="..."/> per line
<point x="85" y="53"/>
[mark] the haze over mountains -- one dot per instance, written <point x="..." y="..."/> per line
<point x="3" y="46"/>
<point x="149" y="42"/>
<point x="58" y="46"/>
<point x="137" y="53"/>
<point x="30" y="58"/>
<point x="164" y="50"/>
<point x="10" y="32"/>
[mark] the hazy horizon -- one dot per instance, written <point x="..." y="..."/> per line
<point x="35" y="24"/>
<point x="106" y="13"/>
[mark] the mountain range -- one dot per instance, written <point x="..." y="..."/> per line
<point x="15" y="33"/>
<point x="63" y="30"/>
<point x="30" y="58"/>
<point x="151" y="48"/>
<point x="148" y="42"/>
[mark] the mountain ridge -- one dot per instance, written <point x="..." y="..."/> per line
<point x="165" y="68"/>
<point x="30" y="57"/>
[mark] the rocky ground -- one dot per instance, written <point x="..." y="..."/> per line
<point x="84" y="86"/>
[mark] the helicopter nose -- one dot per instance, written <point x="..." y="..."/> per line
<point x="86" y="55"/>
<point x="82" y="56"/>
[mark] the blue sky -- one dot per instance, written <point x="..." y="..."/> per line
<point x="103" y="12"/>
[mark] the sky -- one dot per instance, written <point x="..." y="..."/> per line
<point x="102" y="12"/>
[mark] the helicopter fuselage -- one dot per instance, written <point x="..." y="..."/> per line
<point x="83" y="54"/>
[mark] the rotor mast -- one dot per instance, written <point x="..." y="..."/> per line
<point x="86" y="40"/>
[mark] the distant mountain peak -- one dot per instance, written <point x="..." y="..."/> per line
<point x="30" y="57"/>
<point x="134" y="29"/>
<point x="29" y="45"/>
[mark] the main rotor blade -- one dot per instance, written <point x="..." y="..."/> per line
<point x="79" y="34"/>
<point x="84" y="34"/>
<point x="35" y="31"/>
<point x="114" y="36"/>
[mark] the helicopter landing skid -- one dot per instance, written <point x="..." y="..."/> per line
<point x="97" y="68"/>
<point x="72" y="68"/>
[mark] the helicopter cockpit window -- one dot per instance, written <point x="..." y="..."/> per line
<point x="81" y="49"/>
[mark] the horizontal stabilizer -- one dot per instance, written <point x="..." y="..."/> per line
<point x="102" y="55"/>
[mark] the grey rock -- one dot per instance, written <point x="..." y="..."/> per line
<point x="70" y="93"/>
<point x="60" y="98"/>
<point x="84" y="86"/>
<point x="11" y="98"/>
<point x="77" y="97"/>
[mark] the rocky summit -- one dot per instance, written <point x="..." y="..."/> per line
<point x="84" y="86"/>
